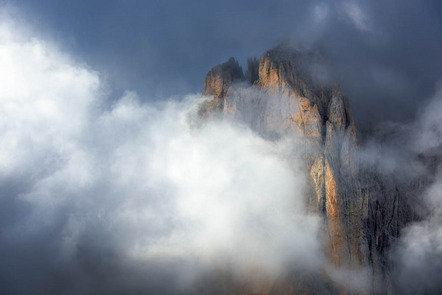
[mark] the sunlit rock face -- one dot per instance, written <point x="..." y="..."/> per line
<point x="217" y="83"/>
<point x="279" y="96"/>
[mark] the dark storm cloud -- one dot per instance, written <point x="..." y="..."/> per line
<point x="163" y="47"/>
<point x="391" y="68"/>
<point x="386" y="54"/>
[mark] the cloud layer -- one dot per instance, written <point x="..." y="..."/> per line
<point x="127" y="197"/>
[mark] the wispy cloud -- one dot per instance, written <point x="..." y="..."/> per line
<point x="356" y="14"/>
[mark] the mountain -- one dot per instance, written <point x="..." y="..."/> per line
<point x="363" y="208"/>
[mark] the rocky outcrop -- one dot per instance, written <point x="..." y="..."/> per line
<point x="219" y="78"/>
<point x="217" y="83"/>
<point x="361" y="211"/>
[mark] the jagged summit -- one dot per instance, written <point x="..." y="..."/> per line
<point x="285" y="73"/>
<point x="283" y="70"/>
<point x="278" y="67"/>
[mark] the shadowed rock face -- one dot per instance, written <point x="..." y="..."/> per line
<point x="361" y="207"/>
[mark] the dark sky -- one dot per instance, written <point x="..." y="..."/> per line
<point x="386" y="54"/>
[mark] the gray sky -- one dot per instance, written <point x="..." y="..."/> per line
<point x="386" y="54"/>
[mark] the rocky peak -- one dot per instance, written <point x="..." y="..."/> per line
<point x="279" y="68"/>
<point x="220" y="77"/>
<point x="286" y="99"/>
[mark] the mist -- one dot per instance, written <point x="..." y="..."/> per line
<point x="418" y="255"/>
<point x="133" y="196"/>
<point x="407" y="157"/>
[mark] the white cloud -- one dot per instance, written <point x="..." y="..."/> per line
<point x="419" y="252"/>
<point x="138" y="179"/>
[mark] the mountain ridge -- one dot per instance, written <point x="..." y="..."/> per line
<point x="362" y="209"/>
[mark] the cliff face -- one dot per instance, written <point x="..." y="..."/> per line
<point x="361" y="208"/>
<point x="288" y="101"/>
